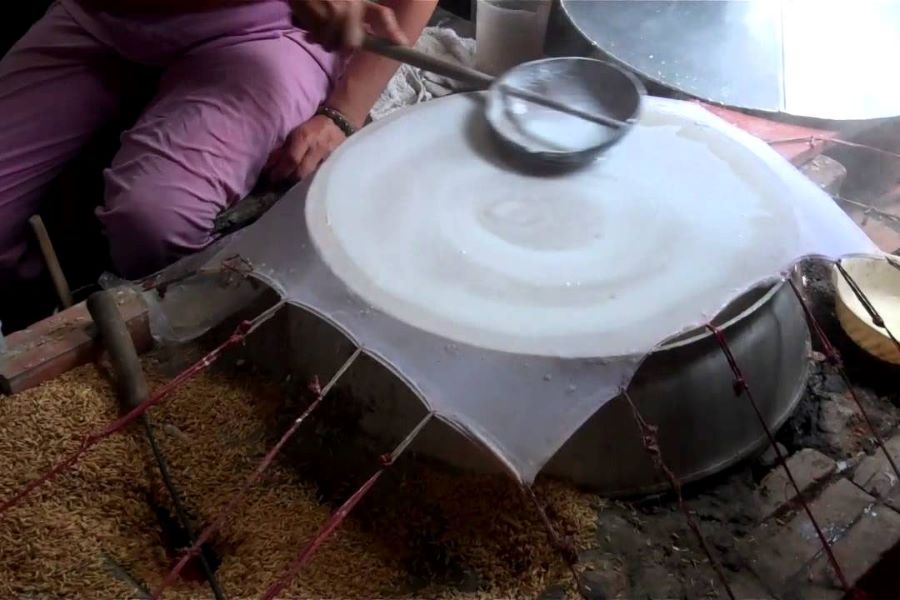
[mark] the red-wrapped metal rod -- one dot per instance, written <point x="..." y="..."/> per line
<point x="741" y="387"/>
<point x="241" y="332"/>
<point x="650" y="442"/>
<point x="340" y="514"/>
<point x="564" y="546"/>
<point x="235" y="501"/>
<point x="812" y="139"/>
<point x="834" y="358"/>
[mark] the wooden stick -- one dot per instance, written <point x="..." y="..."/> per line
<point x="47" y="250"/>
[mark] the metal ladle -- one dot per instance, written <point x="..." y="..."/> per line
<point x="604" y="90"/>
<point x="479" y="79"/>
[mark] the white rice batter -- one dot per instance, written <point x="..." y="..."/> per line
<point x="416" y="216"/>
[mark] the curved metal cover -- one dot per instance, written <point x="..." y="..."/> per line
<point x="827" y="59"/>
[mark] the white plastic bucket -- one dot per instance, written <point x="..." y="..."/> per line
<point x="509" y="32"/>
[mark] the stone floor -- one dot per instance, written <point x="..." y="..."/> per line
<point x="757" y="529"/>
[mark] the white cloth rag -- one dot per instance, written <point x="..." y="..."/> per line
<point x="411" y="85"/>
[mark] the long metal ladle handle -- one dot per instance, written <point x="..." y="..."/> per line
<point x="476" y="78"/>
<point x="421" y="60"/>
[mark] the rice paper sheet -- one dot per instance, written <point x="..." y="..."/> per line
<point x="514" y="303"/>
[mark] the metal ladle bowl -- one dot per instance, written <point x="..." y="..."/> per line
<point x="553" y="137"/>
<point x="562" y="111"/>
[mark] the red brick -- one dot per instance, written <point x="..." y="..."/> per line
<point x="65" y="341"/>
<point x="808" y="467"/>
<point x="884" y="236"/>
<point x="825" y="172"/>
<point x="876" y="475"/>
<point x="782" y="554"/>
<point x="876" y="532"/>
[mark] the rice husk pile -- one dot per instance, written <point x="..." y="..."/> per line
<point x="426" y="533"/>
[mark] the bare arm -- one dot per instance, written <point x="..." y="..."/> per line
<point x="354" y="95"/>
<point x="367" y="74"/>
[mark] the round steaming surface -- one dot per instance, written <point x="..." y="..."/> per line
<point x="419" y="218"/>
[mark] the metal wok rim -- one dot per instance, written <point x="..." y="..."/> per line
<point x="697" y="334"/>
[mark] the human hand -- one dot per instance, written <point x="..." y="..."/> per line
<point x="304" y="150"/>
<point x="344" y="23"/>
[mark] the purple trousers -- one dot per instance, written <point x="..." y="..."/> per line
<point x="235" y="82"/>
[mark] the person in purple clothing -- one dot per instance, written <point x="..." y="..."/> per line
<point x="248" y="88"/>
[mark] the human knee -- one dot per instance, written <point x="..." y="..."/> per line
<point x="149" y="228"/>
